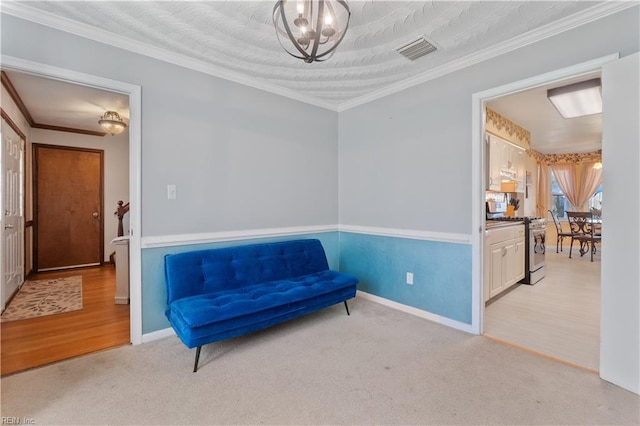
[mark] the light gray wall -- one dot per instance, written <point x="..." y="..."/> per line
<point x="405" y="159"/>
<point x="241" y="158"/>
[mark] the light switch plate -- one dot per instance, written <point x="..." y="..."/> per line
<point x="171" y="192"/>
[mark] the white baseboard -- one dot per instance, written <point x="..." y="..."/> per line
<point x="157" y="335"/>
<point x="417" y="312"/>
<point x="161" y="334"/>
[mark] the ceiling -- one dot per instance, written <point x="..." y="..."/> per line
<point x="58" y="103"/>
<point x="236" y="40"/>
<point x="550" y="132"/>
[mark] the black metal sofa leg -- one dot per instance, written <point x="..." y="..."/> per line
<point x="195" y="365"/>
<point x="346" y="307"/>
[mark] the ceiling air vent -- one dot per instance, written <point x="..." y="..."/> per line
<point x="416" y="49"/>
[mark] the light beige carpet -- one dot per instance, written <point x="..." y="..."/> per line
<point x="45" y="297"/>
<point x="377" y="366"/>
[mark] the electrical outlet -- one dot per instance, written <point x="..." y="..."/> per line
<point x="171" y="192"/>
<point x="410" y="278"/>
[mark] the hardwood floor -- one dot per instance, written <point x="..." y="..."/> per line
<point x="559" y="316"/>
<point x="99" y="325"/>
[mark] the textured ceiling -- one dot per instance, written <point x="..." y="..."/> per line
<point x="238" y="37"/>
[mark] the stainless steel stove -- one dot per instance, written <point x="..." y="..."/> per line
<point x="535" y="246"/>
<point x="535" y="230"/>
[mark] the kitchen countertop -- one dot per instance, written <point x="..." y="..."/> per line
<point x="492" y="224"/>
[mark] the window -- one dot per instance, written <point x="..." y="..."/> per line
<point x="559" y="201"/>
<point x="560" y="204"/>
<point x="595" y="202"/>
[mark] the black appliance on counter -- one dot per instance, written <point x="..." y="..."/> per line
<point x="535" y="231"/>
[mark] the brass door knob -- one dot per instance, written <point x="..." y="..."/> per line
<point x="95" y="214"/>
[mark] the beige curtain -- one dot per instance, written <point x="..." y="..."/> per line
<point x="544" y="190"/>
<point x="565" y="174"/>
<point x="590" y="180"/>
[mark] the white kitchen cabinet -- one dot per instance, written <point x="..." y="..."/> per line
<point x="495" y="152"/>
<point x="521" y="169"/>
<point x="506" y="258"/>
<point x="519" y="257"/>
<point x="506" y="163"/>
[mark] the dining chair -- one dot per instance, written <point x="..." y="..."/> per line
<point x="559" y="231"/>
<point x="582" y="230"/>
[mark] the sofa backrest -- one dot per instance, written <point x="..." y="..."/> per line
<point x="205" y="271"/>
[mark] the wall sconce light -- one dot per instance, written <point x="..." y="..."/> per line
<point x="112" y="123"/>
<point x="578" y="99"/>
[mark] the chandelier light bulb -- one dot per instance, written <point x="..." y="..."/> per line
<point x="328" y="20"/>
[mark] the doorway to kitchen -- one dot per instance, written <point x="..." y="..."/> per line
<point x="557" y="317"/>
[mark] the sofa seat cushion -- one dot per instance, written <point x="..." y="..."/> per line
<point x="221" y="311"/>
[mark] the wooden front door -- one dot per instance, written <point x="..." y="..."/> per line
<point x="68" y="207"/>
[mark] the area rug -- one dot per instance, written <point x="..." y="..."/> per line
<point x="45" y="297"/>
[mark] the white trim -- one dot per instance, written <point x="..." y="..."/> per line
<point x="135" y="144"/>
<point x="158" y="334"/>
<point x="533" y="36"/>
<point x="478" y="149"/>
<point x="213" y="237"/>
<point x="444" y="237"/>
<point x="41" y="17"/>
<point x="24" y="11"/>
<point x="417" y="312"/>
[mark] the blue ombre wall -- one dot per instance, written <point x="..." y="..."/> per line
<point x="442" y="277"/>
<point x="441" y="272"/>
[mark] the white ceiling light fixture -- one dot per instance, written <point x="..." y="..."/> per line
<point x="311" y="30"/>
<point x="112" y="123"/>
<point x="577" y="99"/>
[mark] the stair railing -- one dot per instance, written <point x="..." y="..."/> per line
<point x="122" y="210"/>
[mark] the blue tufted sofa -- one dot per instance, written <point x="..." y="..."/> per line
<point x="217" y="294"/>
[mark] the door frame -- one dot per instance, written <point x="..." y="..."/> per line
<point x="134" y="92"/>
<point x="478" y="173"/>
<point x="34" y="174"/>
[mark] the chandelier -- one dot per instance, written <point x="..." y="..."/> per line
<point x="112" y="122"/>
<point x="311" y="29"/>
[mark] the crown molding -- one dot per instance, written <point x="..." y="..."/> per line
<point x="589" y="15"/>
<point x="23" y="11"/>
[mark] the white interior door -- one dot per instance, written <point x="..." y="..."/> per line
<point x="12" y="208"/>
<point x="620" y="304"/>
